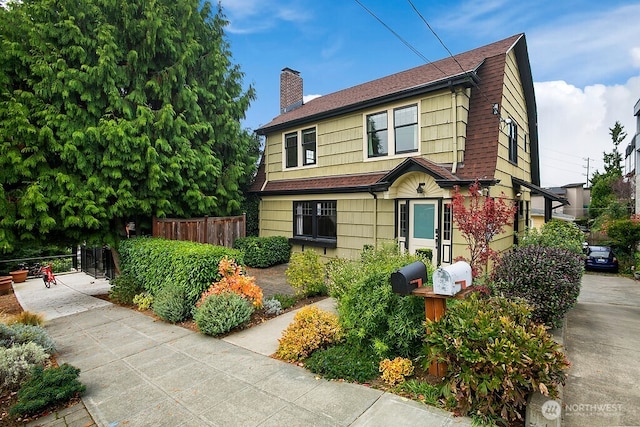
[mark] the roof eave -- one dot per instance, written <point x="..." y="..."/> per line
<point x="377" y="187"/>
<point x="466" y="79"/>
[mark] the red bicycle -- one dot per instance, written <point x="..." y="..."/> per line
<point x="48" y="276"/>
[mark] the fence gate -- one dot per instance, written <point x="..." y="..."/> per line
<point x="97" y="262"/>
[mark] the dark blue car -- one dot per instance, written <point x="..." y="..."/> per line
<point x="601" y="258"/>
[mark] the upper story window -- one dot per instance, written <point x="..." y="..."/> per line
<point x="405" y="122"/>
<point x="404" y="138"/>
<point x="513" y="142"/>
<point x="303" y="152"/>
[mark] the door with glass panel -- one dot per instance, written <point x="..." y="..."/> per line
<point x="423" y="226"/>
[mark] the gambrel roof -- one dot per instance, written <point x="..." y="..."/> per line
<point x="481" y="69"/>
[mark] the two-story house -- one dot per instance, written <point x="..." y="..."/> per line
<point x="379" y="161"/>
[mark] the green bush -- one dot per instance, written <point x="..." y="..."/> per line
<point x="171" y="304"/>
<point x="425" y="254"/>
<point x="286" y="301"/>
<point x="341" y="274"/>
<point x="17" y="362"/>
<point x="306" y="273"/>
<point x="346" y="362"/>
<point x="220" y="313"/>
<point x="155" y="262"/>
<point x="46" y="388"/>
<point x="495" y="357"/>
<point x="124" y="288"/>
<point x="20" y="333"/>
<point x="262" y="252"/>
<point x="547" y="278"/>
<point x="624" y="234"/>
<point x="371" y="314"/>
<point x="556" y="234"/>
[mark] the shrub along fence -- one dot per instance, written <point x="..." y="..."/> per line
<point x="219" y="231"/>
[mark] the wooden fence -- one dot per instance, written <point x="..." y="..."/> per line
<point x="220" y="231"/>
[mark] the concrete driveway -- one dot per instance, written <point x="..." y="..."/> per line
<point x="602" y="340"/>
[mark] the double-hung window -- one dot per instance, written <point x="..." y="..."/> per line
<point x="291" y="149"/>
<point x="300" y="148"/>
<point x="513" y="142"/>
<point x="309" y="146"/>
<point x="392" y="132"/>
<point x="315" y="221"/>
<point x="377" y="139"/>
<point x="405" y="122"/>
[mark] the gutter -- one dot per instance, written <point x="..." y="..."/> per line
<point x="375" y="216"/>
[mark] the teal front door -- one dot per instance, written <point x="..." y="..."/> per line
<point x="423" y="229"/>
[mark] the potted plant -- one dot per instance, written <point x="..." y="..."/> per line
<point x="5" y="285"/>
<point x="19" y="276"/>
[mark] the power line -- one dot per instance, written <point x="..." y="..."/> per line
<point x="465" y="72"/>
<point x="406" y="43"/>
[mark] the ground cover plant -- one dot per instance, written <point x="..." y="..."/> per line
<point x="17" y="364"/>
<point x="46" y="388"/>
<point x="344" y="362"/>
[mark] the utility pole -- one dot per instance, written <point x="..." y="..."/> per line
<point x="587" y="159"/>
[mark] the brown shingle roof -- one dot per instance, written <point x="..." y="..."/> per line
<point x="413" y="79"/>
<point x="335" y="184"/>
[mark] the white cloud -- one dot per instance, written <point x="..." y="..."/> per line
<point x="574" y="125"/>
<point x="254" y="16"/>
<point x="308" y="98"/>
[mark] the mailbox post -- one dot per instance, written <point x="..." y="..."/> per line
<point x="453" y="281"/>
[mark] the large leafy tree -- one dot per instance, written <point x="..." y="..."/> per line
<point x="114" y="109"/>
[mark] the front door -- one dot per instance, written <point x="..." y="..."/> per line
<point x="423" y="226"/>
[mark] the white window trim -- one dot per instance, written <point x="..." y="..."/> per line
<point x="390" y="132"/>
<point x="301" y="164"/>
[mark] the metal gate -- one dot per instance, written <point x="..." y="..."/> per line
<point x="97" y="262"/>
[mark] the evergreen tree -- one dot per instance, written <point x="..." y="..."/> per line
<point x="606" y="187"/>
<point x="113" y="109"/>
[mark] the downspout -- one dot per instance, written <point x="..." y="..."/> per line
<point x="454" y="114"/>
<point x="375" y="217"/>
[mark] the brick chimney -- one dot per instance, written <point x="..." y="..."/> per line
<point x="290" y="90"/>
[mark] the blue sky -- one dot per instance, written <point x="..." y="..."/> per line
<point x="585" y="58"/>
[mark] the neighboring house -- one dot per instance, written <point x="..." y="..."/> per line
<point x="574" y="204"/>
<point x="379" y="161"/>
<point x="632" y="158"/>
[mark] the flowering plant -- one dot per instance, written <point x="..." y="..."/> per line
<point x="234" y="280"/>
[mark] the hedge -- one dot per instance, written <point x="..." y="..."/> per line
<point x="262" y="252"/>
<point x="156" y="262"/>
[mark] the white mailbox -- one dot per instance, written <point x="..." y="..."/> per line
<point x="452" y="279"/>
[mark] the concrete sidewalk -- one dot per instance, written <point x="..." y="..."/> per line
<point x="143" y="372"/>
